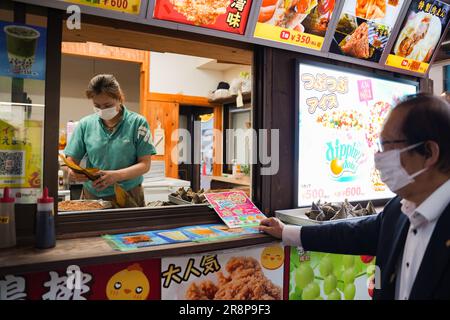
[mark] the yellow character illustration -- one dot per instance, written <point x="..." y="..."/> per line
<point x="272" y="257"/>
<point x="128" y="284"/>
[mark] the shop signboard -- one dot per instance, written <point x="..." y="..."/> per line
<point x="340" y="118"/>
<point x="224" y="15"/>
<point x="326" y="276"/>
<point x="297" y="22"/>
<point x="126" y="6"/>
<point x="22" y="51"/>
<point x="122" y="281"/>
<point x="364" y="28"/>
<point x="418" y="39"/>
<point x="254" y="273"/>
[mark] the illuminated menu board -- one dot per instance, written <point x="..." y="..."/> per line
<point x="419" y="35"/>
<point x="224" y="15"/>
<point x="340" y="118"/>
<point x="364" y="28"/>
<point x="126" y="6"/>
<point x="297" y="22"/>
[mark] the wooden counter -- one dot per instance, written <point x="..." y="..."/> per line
<point x="95" y="250"/>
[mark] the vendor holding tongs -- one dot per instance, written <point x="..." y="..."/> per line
<point x="115" y="140"/>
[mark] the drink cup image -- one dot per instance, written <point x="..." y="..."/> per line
<point x="21" y="44"/>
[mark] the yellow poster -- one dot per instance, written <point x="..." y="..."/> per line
<point x="126" y="6"/>
<point x="21" y="156"/>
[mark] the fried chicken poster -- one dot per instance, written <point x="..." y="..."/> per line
<point x="254" y="273"/>
<point x="419" y="35"/>
<point x="224" y="15"/>
<point x="364" y="28"/>
<point x="297" y="22"/>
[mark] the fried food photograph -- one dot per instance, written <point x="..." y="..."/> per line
<point x="245" y="281"/>
<point x="357" y="44"/>
<point x="309" y="16"/>
<point x="419" y="37"/>
<point x="370" y="9"/>
<point x="201" y="12"/>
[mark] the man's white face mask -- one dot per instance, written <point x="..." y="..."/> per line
<point x="106" y="114"/>
<point x="391" y="170"/>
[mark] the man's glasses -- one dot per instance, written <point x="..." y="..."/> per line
<point x="382" y="143"/>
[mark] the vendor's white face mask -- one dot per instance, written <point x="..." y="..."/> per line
<point x="106" y="114"/>
<point x="391" y="170"/>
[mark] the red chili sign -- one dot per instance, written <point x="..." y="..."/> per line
<point x="224" y="15"/>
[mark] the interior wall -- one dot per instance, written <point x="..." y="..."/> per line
<point x="179" y="74"/>
<point x="75" y="75"/>
<point x="437" y="75"/>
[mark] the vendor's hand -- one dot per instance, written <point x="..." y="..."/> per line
<point x="107" y="179"/>
<point x="77" y="177"/>
<point x="272" y="226"/>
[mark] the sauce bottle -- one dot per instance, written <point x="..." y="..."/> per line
<point x="45" y="222"/>
<point x="7" y="220"/>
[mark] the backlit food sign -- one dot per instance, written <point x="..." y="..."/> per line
<point x="419" y="35"/>
<point x="364" y="28"/>
<point x="224" y="15"/>
<point x="125" y="6"/>
<point x="298" y="22"/>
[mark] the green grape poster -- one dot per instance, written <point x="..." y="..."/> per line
<point x="326" y="276"/>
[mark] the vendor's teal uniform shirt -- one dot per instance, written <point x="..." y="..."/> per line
<point x="111" y="151"/>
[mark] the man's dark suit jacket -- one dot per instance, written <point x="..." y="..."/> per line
<point x="384" y="236"/>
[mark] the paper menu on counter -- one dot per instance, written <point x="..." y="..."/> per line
<point x="135" y="240"/>
<point x="213" y="232"/>
<point x="235" y="208"/>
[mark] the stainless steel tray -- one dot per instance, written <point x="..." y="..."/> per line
<point x="298" y="217"/>
<point x="177" y="200"/>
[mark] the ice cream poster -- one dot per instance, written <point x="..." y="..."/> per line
<point x="419" y="35"/>
<point x="235" y="208"/>
<point x="365" y="27"/>
<point x="297" y="22"/>
<point x="254" y="273"/>
<point x="223" y="15"/>
<point x="344" y="112"/>
<point x="22" y="51"/>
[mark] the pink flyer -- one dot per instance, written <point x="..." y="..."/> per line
<point x="235" y="209"/>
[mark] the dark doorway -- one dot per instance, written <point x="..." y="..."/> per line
<point x="190" y="166"/>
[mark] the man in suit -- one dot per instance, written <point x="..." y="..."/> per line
<point x="411" y="237"/>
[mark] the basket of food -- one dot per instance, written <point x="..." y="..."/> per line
<point x="84" y="205"/>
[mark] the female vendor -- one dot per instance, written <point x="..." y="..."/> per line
<point x="114" y="140"/>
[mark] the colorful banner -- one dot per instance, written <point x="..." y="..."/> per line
<point x="122" y="281"/>
<point x="365" y="27"/>
<point x="297" y="22"/>
<point x="21" y="157"/>
<point x="419" y="35"/>
<point x="235" y="208"/>
<point x="344" y="114"/>
<point x="326" y="276"/>
<point x="125" y="6"/>
<point x="223" y="15"/>
<point x="244" y="274"/>
<point x="22" y="51"/>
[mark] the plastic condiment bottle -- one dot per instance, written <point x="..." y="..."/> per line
<point x="45" y="222"/>
<point x="7" y="220"/>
